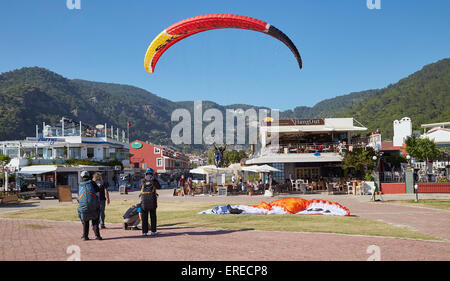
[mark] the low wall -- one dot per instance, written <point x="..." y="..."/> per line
<point x="434" y="187"/>
<point x="393" y="188"/>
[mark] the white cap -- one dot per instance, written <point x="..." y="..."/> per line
<point x="84" y="174"/>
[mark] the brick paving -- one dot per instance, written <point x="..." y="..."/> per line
<point x="46" y="240"/>
<point x="49" y="240"/>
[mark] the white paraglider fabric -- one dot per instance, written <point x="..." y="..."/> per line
<point x="284" y="206"/>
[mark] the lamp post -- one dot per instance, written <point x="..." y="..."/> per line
<point x="416" y="189"/>
<point x="375" y="158"/>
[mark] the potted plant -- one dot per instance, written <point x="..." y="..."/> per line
<point x="369" y="183"/>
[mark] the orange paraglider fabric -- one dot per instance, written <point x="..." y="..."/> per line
<point x="295" y="205"/>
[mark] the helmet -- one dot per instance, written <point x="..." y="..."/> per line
<point x="84" y="174"/>
<point x="149" y="170"/>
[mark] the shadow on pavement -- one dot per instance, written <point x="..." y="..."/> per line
<point x="19" y="205"/>
<point x="171" y="234"/>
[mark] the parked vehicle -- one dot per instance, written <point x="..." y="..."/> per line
<point x="42" y="189"/>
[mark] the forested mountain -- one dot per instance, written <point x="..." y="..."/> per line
<point x="330" y="107"/>
<point x="423" y="96"/>
<point x="30" y="96"/>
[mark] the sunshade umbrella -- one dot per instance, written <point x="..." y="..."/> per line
<point x="235" y="167"/>
<point x="266" y="168"/>
<point x="253" y="168"/>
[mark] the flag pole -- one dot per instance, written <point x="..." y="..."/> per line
<point x="128" y="130"/>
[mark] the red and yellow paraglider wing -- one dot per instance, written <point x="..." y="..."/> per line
<point x="191" y="26"/>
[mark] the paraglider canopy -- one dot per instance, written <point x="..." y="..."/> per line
<point x="191" y="26"/>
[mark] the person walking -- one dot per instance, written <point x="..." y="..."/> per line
<point x="149" y="203"/>
<point x="89" y="206"/>
<point x="103" y="196"/>
<point x="182" y="184"/>
<point x="190" y="188"/>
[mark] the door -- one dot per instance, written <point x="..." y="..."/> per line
<point x="73" y="182"/>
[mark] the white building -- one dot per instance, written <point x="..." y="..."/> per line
<point x="402" y="130"/>
<point x="438" y="133"/>
<point x="67" y="140"/>
<point x="306" y="148"/>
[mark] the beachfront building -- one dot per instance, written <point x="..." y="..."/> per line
<point x="306" y="148"/>
<point x="45" y="155"/>
<point x="440" y="134"/>
<point x="197" y="160"/>
<point x="162" y="159"/>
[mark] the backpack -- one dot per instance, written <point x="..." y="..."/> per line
<point x="148" y="196"/>
<point x="88" y="201"/>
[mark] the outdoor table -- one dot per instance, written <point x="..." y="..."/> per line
<point x="355" y="183"/>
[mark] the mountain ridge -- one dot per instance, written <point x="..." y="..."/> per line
<point x="32" y="95"/>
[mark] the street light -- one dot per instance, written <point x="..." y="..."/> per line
<point x="416" y="189"/>
<point x="374" y="158"/>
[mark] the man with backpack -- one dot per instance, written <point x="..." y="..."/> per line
<point x="89" y="205"/>
<point x="149" y="201"/>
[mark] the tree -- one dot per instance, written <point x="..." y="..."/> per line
<point x="359" y="159"/>
<point x="422" y="149"/>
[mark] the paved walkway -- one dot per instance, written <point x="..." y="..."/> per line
<point x="47" y="240"/>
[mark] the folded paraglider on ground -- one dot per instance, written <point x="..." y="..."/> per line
<point x="284" y="206"/>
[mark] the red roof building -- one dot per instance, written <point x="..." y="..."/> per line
<point x="162" y="159"/>
<point x="389" y="146"/>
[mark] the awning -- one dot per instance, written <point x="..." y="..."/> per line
<point x="38" y="169"/>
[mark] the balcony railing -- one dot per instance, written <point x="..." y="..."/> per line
<point x="308" y="148"/>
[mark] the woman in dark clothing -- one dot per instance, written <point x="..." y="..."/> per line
<point x="149" y="201"/>
<point x="103" y="196"/>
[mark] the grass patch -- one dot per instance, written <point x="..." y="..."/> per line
<point x="186" y="214"/>
<point x="437" y="204"/>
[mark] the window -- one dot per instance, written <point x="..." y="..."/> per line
<point x="40" y="152"/>
<point x="136" y="165"/>
<point x="279" y="176"/>
<point x="159" y="162"/>
<point x="157" y="150"/>
<point x="90" y="152"/>
<point x="75" y="152"/>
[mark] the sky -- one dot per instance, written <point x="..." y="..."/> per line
<point x="345" y="46"/>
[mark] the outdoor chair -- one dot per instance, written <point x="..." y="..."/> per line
<point x="294" y="185"/>
<point x="397" y="176"/>
<point x="309" y="188"/>
<point x="349" y="187"/>
<point x="388" y="176"/>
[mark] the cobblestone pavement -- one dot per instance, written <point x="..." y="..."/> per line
<point x="49" y="240"/>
